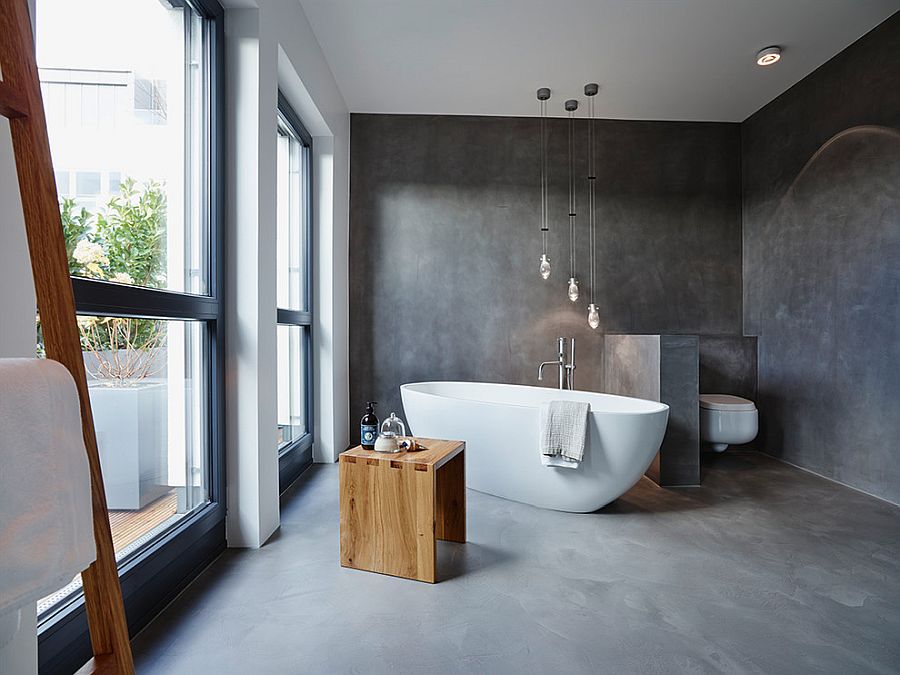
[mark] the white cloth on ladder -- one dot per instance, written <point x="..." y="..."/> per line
<point x="46" y="524"/>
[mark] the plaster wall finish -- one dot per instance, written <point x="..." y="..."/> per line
<point x="445" y="242"/>
<point x="821" y="211"/>
<point x="678" y="460"/>
<point x="631" y="365"/>
<point x="661" y="368"/>
<point x="728" y="365"/>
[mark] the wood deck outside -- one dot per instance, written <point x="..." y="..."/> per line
<point x="127" y="526"/>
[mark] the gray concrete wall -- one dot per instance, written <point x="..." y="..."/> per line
<point x="678" y="461"/>
<point x="728" y="365"/>
<point x="445" y="243"/>
<point x="631" y="365"/>
<point x="821" y="176"/>
<point x="661" y="368"/>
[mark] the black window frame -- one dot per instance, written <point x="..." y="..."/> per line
<point x="154" y="575"/>
<point x="296" y="457"/>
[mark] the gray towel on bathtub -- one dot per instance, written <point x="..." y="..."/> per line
<point x="563" y="429"/>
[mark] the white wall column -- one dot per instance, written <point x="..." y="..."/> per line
<point x="251" y="455"/>
<point x="271" y="47"/>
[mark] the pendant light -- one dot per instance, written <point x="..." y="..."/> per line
<point x="571" y="107"/>
<point x="543" y="95"/>
<point x="590" y="90"/>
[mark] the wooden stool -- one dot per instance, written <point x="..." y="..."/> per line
<point x="394" y="507"/>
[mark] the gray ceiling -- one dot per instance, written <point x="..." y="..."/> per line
<point x="654" y="59"/>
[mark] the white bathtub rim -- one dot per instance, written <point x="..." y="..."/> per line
<point x="410" y="386"/>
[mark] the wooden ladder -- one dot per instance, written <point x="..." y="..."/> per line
<point x="20" y="101"/>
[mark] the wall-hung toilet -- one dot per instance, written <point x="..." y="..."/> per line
<point x="727" y="420"/>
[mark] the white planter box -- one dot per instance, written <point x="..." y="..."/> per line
<point x="132" y="438"/>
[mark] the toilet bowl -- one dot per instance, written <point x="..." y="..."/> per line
<point x="727" y="420"/>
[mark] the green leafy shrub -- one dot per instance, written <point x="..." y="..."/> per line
<point x="132" y="231"/>
<point x="123" y="242"/>
<point x="76" y="225"/>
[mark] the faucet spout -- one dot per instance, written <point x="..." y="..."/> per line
<point x="566" y="370"/>
<point x="541" y="368"/>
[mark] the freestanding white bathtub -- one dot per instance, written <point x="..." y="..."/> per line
<point x="500" y="425"/>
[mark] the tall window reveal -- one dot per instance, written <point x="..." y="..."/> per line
<point x="294" y="267"/>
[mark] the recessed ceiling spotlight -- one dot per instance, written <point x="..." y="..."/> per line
<point x="768" y="56"/>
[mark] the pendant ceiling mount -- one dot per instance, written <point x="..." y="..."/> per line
<point x="571" y="105"/>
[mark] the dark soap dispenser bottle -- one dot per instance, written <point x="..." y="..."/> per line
<point x="368" y="427"/>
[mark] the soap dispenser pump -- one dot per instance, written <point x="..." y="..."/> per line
<point x="368" y="427"/>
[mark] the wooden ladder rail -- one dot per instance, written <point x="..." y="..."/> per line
<point x="21" y="102"/>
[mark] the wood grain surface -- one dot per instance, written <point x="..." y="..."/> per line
<point x="394" y="507"/>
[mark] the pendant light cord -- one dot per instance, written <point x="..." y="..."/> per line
<point x="544" y="214"/>
<point x="572" y="193"/>
<point x="592" y="180"/>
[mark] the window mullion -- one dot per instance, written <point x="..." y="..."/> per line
<point x="294" y="317"/>
<point x="110" y="299"/>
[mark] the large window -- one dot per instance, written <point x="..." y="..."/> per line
<point x="132" y="90"/>
<point x="294" y="274"/>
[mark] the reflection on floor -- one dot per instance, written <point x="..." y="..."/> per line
<point x="763" y="569"/>
<point x="128" y="526"/>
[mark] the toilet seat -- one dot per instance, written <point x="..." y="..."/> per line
<point x="726" y="402"/>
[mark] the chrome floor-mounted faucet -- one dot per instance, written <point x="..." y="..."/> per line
<point x="566" y="370"/>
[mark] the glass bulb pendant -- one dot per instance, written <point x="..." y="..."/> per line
<point x="545" y="266"/>
<point x="573" y="289"/>
<point x="593" y="316"/>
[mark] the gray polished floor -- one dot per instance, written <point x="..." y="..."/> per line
<point x="764" y="569"/>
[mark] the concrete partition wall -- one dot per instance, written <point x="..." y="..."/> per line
<point x="663" y="368"/>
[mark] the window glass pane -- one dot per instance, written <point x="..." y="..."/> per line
<point x="87" y="189"/>
<point x="150" y="100"/>
<point x="196" y="197"/>
<point x="87" y="183"/>
<point x="106" y="106"/>
<point x="72" y="95"/>
<point x="302" y="198"/>
<point x="62" y="183"/>
<point x="292" y="248"/>
<point x="131" y="104"/>
<point x="90" y="111"/>
<point x="146" y="381"/>
<point x="54" y="104"/>
<point x="293" y="366"/>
